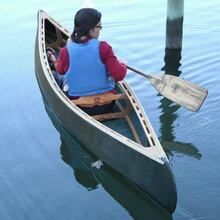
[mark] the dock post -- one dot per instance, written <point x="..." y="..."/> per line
<point x="174" y="34"/>
<point x="174" y="24"/>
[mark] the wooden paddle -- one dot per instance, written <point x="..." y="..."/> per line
<point x="182" y="92"/>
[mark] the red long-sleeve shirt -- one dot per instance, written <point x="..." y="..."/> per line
<point x="116" y="68"/>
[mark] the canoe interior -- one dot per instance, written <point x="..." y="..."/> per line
<point x="54" y="38"/>
<point x="122" y="127"/>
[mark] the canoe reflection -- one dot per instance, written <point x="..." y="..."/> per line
<point x="138" y="204"/>
<point x="81" y="173"/>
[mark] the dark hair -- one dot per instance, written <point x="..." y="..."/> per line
<point x="85" y="19"/>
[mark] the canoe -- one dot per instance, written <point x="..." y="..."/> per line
<point x="124" y="140"/>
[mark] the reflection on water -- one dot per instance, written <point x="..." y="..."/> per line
<point x="135" y="202"/>
<point x="169" y="110"/>
<point x="172" y="61"/>
<point x="80" y="171"/>
<point x="167" y="119"/>
<point x="138" y="204"/>
<point x="181" y="148"/>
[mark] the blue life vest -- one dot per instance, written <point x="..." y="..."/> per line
<point x="87" y="75"/>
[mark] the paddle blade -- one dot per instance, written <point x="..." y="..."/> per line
<point x="182" y="92"/>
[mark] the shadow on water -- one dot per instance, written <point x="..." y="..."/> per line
<point x="138" y="204"/>
<point x="169" y="111"/>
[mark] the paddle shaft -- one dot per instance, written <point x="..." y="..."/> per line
<point x="138" y="71"/>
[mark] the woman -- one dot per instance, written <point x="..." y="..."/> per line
<point x="89" y="65"/>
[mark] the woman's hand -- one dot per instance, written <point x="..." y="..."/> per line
<point x="52" y="58"/>
<point x="51" y="55"/>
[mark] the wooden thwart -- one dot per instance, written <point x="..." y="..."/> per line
<point x="108" y="116"/>
<point x="103" y="99"/>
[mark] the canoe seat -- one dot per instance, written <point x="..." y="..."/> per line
<point x="103" y="99"/>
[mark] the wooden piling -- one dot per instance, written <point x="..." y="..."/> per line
<point x="174" y="24"/>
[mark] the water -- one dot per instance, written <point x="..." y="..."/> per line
<point x="38" y="172"/>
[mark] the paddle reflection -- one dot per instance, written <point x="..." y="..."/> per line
<point x="180" y="147"/>
<point x="169" y="112"/>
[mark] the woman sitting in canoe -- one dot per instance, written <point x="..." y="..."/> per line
<point x="89" y="65"/>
